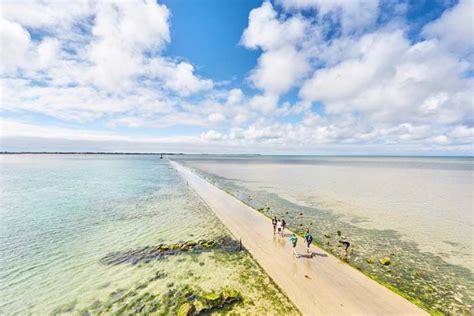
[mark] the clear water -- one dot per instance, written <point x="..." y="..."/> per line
<point x="60" y="214"/>
<point x="417" y="210"/>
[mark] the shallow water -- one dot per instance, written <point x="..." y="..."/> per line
<point x="60" y="215"/>
<point x="416" y="210"/>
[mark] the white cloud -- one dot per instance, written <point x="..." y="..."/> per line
<point x="373" y="87"/>
<point x="455" y="28"/>
<point x="46" y="14"/>
<point x="266" y="103"/>
<point x="279" y="70"/>
<point x="123" y="32"/>
<point x="391" y="80"/>
<point x="179" y="77"/>
<point x="267" y="32"/>
<point x="14" y="46"/>
<point x="89" y="63"/>
<point x="212" y="135"/>
<point x="354" y="15"/>
<point x="117" y="43"/>
<point x="281" y="64"/>
<point x="235" y="96"/>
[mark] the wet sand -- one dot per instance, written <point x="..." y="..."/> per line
<point x="321" y="284"/>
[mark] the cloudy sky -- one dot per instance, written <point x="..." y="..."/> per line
<point x="232" y="76"/>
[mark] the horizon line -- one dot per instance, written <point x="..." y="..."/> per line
<point x="217" y="154"/>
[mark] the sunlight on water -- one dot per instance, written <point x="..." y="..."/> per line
<point x="61" y="215"/>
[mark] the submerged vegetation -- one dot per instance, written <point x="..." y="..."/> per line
<point x="248" y="290"/>
<point x="421" y="277"/>
<point x="181" y="301"/>
<point x="150" y="253"/>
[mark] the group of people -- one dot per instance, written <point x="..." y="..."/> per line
<point x="279" y="227"/>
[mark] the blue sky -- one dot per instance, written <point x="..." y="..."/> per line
<point x="289" y="77"/>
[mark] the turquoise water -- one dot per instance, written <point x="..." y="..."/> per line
<point x="61" y="214"/>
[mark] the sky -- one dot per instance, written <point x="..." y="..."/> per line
<point x="231" y="76"/>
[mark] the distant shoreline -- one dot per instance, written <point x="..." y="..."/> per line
<point x="214" y="154"/>
<point x="83" y="153"/>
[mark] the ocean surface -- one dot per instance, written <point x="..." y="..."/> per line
<point x="418" y="211"/>
<point x="74" y="228"/>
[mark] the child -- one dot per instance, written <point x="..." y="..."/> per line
<point x="309" y="239"/>
<point x="294" y="241"/>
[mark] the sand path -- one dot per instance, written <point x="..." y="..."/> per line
<point x="321" y="285"/>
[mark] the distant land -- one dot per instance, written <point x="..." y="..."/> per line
<point x="217" y="154"/>
<point x="81" y="153"/>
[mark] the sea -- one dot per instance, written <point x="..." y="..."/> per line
<point x="415" y="211"/>
<point x="93" y="234"/>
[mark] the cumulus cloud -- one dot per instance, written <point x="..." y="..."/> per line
<point x="92" y="53"/>
<point x="281" y="64"/>
<point x="354" y="16"/>
<point x="361" y="82"/>
<point x="455" y="29"/>
<point x="393" y="80"/>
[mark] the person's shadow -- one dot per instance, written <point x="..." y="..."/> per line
<point x="312" y="255"/>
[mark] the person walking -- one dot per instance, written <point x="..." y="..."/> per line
<point x="279" y="227"/>
<point x="294" y="240"/>
<point x="274" y="224"/>
<point x="283" y="225"/>
<point x="345" y="243"/>
<point x="309" y="239"/>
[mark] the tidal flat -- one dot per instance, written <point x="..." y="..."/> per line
<point x="424" y="278"/>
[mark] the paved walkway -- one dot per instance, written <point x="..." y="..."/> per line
<point x="322" y="285"/>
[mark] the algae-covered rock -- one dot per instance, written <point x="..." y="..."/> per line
<point x="209" y="244"/>
<point x="370" y="260"/>
<point x="191" y="243"/>
<point x="327" y="235"/>
<point x="213" y="299"/>
<point x="201" y="306"/>
<point x="186" y="309"/>
<point x="230" y="296"/>
<point x="164" y="247"/>
<point x="385" y="261"/>
<point x="175" y="246"/>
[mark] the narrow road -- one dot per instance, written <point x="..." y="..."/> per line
<point x="321" y="285"/>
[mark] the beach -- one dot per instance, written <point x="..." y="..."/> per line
<point x="320" y="285"/>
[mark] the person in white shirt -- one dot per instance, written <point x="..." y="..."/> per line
<point x="279" y="227"/>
